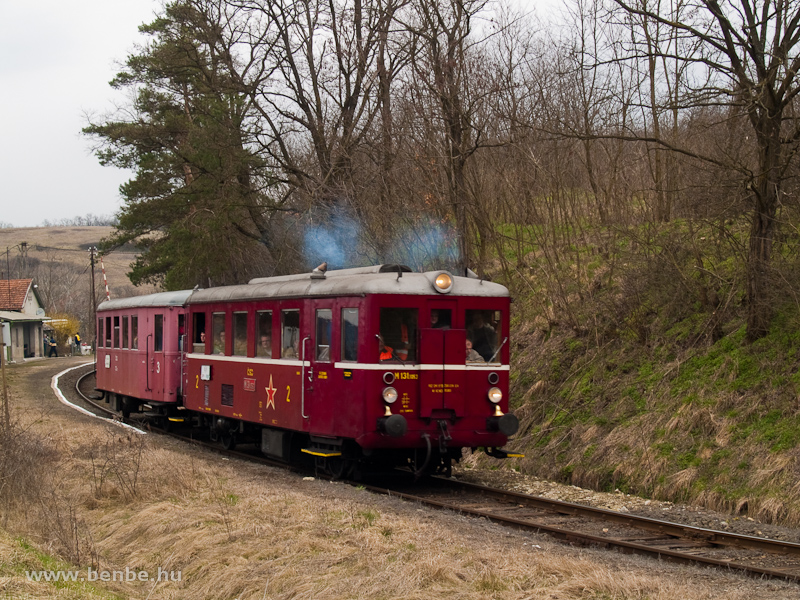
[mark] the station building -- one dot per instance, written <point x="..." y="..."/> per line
<point x="21" y="319"/>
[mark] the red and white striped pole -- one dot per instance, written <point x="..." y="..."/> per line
<point x="105" y="281"/>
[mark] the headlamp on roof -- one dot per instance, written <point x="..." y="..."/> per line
<point x="443" y="283"/>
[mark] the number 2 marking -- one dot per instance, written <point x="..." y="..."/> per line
<point x="288" y="391"/>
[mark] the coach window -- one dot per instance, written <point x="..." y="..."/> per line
<point x="218" y="332"/>
<point x="116" y="332"/>
<point x="100" y="337"/>
<point x="240" y="334"/>
<point x="125" y="331"/>
<point x="264" y="339"/>
<point x="290" y="333"/>
<point x="158" y="337"/>
<point x="350" y="334"/>
<point x="134" y="333"/>
<point x="108" y="332"/>
<point x="399" y="333"/>
<point x="199" y="332"/>
<point x="323" y="352"/>
<point x="485" y="331"/>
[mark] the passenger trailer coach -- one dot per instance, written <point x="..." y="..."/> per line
<point x="373" y="366"/>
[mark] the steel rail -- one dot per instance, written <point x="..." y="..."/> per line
<point x="86" y="398"/>
<point x="712" y="536"/>
<point x="683" y="534"/>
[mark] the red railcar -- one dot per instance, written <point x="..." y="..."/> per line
<point x="367" y="365"/>
<point x="139" y="354"/>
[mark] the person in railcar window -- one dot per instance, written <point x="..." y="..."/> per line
<point x="483" y="336"/>
<point x="199" y="333"/>
<point x="264" y="348"/>
<point x="472" y="355"/>
<point x="398" y="329"/>
<point x="219" y="343"/>
<point x="385" y="352"/>
<point x="440" y="319"/>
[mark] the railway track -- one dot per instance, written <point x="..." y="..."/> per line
<point x="572" y="523"/>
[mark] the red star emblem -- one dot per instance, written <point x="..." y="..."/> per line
<point x="271" y="393"/>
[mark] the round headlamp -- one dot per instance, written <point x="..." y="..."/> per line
<point x="443" y="283"/>
<point x="389" y="395"/>
<point x="495" y="395"/>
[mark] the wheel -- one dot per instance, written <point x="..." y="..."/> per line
<point x="228" y="441"/>
<point x="338" y="467"/>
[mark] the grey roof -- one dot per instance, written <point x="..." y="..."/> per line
<point x="347" y="282"/>
<point x="343" y="282"/>
<point x="159" y="299"/>
<point x="19" y="317"/>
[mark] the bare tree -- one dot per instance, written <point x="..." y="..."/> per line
<point x="443" y="57"/>
<point x="747" y="58"/>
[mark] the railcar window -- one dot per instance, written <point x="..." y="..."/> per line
<point x="240" y="334"/>
<point x="324" y="317"/>
<point x="485" y="333"/>
<point x="116" y="332"/>
<point x="264" y="347"/>
<point x="398" y="330"/>
<point x="441" y="318"/>
<point x="181" y="331"/>
<point x="125" y="331"/>
<point x="199" y="332"/>
<point x="108" y="332"/>
<point x="158" y="334"/>
<point x="218" y="332"/>
<point x="100" y="337"/>
<point x="350" y="334"/>
<point x="134" y="333"/>
<point x="290" y="333"/>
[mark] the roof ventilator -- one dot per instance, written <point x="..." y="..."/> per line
<point x="319" y="272"/>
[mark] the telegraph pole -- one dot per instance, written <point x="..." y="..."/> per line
<point x="6" y="407"/>
<point x="92" y="251"/>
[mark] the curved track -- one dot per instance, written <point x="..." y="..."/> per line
<point x="579" y="524"/>
<point x="575" y="523"/>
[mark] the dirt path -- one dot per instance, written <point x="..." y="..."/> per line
<point x="136" y="504"/>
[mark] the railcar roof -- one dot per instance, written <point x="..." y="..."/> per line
<point x="347" y="282"/>
<point x="160" y="299"/>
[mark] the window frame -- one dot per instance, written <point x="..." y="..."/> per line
<point x="344" y="323"/>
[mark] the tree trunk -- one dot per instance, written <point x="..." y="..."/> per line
<point x="762" y="233"/>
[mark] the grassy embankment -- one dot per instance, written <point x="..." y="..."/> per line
<point x="631" y="370"/>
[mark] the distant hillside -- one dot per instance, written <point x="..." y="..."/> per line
<point x="51" y="250"/>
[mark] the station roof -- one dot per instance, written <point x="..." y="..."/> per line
<point x="13" y="293"/>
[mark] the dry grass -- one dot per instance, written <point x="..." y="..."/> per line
<point x="73" y="242"/>
<point x="237" y="530"/>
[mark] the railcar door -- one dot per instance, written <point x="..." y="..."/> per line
<point x="321" y="397"/>
<point x="156" y="365"/>
<point x="442" y="363"/>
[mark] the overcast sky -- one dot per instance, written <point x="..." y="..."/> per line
<point x="56" y="59"/>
